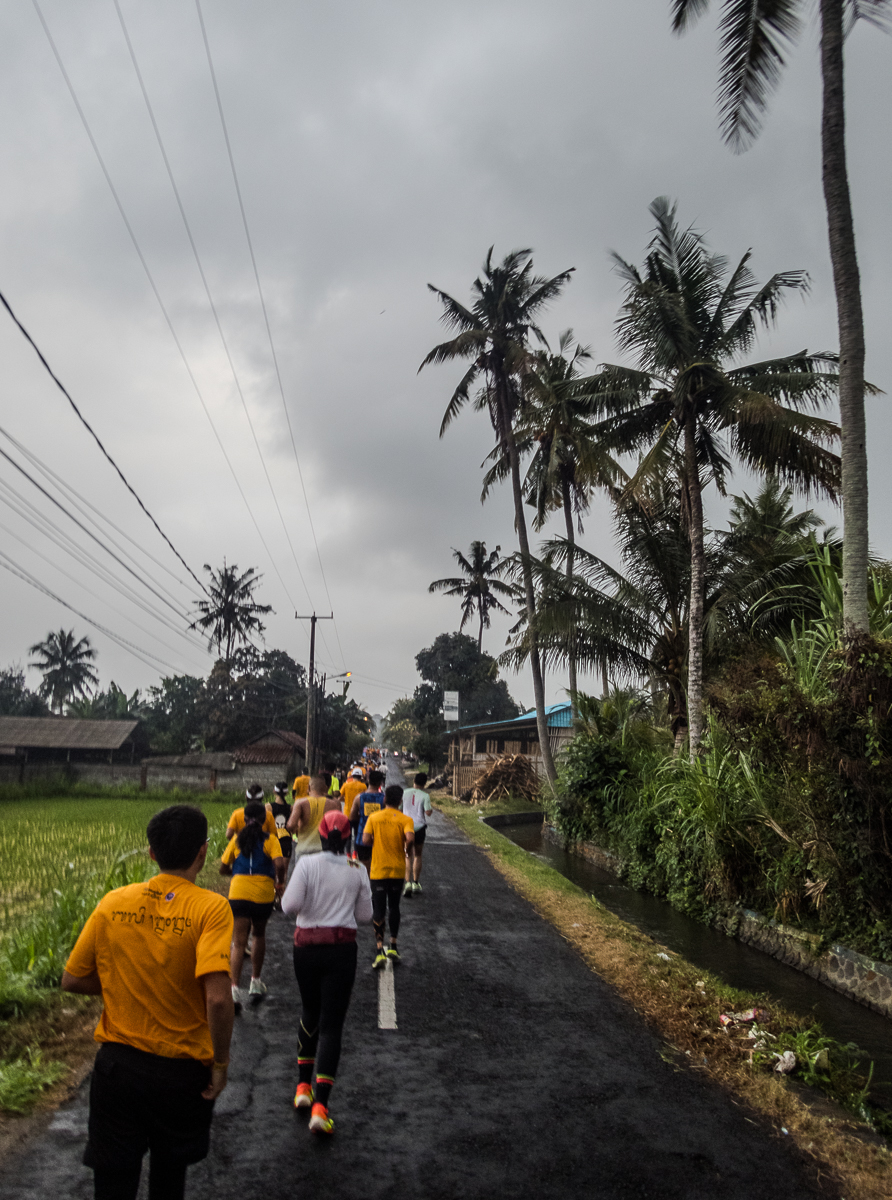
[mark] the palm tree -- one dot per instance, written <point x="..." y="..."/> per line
<point x="568" y="462"/>
<point x="479" y="586"/>
<point x="494" y="334"/>
<point x="687" y="318"/>
<point x="230" y="616"/>
<point x="65" y="663"/>
<point x="754" y="37"/>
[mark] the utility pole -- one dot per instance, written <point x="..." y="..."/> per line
<point x="311" y="691"/>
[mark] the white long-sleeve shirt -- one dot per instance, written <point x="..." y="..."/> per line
<point x="326" y="890"/>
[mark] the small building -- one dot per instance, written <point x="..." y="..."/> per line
<point x="99" y="751"/>
<point x="473" y="747"/>
<point x="270" y="757"/>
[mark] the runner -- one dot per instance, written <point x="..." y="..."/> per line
<point x="281" y="811"/>
<point x="334" y="786"/>
<point x="417" y="805"/>
<point x="329" y="895"/>
<point x="236" y="823"/>
<point x="301" y="786"/>
<point x="166" y="1020"/>
<point x="255" y="861"/>
<point x="306" y="815"/>
<point x="388" y="832"/>
<point x="352" y="788"/>
<point x="364" y="804"/>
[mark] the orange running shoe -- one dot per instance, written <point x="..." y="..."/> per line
<point x="303" y="1097"/>
<point x="320" y="1121"/>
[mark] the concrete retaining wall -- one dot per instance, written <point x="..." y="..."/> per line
<point x="863" y="979"/>
<point x="200" y="779"/>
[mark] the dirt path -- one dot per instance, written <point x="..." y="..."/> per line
<point x="513" y="1072"/>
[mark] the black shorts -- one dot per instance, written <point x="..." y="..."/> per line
<point x="141" y="1102"/>
<point x="420" y="835"/>
<point x="257" y="914"/>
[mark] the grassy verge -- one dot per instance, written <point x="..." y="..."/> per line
<point x="684" y="1003"/>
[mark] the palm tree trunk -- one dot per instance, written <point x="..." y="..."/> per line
<point x="847" y="283"/>
<point x="480" y="634"/>
<point x="698" y="572"/>
<point x="507" y="435"/>
<point x="567" y="500"/>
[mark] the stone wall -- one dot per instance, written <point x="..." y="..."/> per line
<point x="201" y="779"/>
<point x="104" y="773"/>
<point x="844" y="970"/>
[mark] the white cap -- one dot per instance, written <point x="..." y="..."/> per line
<point x="356" y="773"/>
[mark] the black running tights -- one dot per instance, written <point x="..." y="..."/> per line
<point x="325" y="977"/>
<point x="386" y="894"/>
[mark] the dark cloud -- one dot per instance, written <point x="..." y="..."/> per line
<point x="379" y="147"/>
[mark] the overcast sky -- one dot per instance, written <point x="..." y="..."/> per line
<point x="380" y="145"/>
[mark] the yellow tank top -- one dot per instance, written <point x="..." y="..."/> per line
<point x="307" y="841"/>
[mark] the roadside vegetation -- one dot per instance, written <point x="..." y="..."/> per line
<point x="683" y="1004"/>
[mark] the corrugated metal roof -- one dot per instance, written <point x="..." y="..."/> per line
<point x="557" y="716"/>
<point x="64" y="733"/>
<point x="275" y="746"/>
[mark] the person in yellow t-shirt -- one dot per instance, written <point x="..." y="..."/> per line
<point x="158" y="955"/>
<point x="301" y="787"/>
<point x="388" y="832"/>
<point x="353" y="787"/>
<point x="236" y="823"/>
<point x="256" y="863"/>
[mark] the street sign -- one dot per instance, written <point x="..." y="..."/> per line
<point x="450" y="706"/>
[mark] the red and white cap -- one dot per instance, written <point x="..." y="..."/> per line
<point x="332" y="821"/>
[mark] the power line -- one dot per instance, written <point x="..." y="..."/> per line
<point x="89" y="591"/>
<point x="49" y="529"/>
<point x="205" y="284"/>
<point x="90" y="534"/>
<point x="144" y="655"/>
<point x="81" y="503"/>
<point x="95" y="436"/>
<point x="269" y="332"/>
<point x="145" y="266"/>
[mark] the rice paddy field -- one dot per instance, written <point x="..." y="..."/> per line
<point x="46" y="844"/>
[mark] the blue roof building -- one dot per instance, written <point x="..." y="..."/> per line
<point x="472" y="748"/>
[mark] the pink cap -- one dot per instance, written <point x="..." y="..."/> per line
<point x="334" y="820"/>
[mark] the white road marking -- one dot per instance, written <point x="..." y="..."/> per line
<point x="386" y="998"/>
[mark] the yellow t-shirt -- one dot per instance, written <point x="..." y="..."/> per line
<point x="301" y="787"/>
<point x="237" y="822"/>
<point x="351" y="789"/>
<point x="389" y="848"/>
<point x="150" y="944"/>
<point x="259" y="888"/>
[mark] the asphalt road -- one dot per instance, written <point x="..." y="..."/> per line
<point x="513" y="1072"/>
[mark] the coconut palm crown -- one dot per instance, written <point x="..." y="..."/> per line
<point x="689" y="409"/>
<point x="67" y="668"/>
<point x="479" y="586"/>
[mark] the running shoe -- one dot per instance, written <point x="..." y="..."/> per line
<point x="416" y="888"/>
<point x="393" y="954"/>
<point x="320" y="1121"/>
<point x="380" y="961"/>
<point x="237" y="999"/>
<point x="303" y="1097"/>
<point x="257" y="989"/>
<point x="408" y="889"/>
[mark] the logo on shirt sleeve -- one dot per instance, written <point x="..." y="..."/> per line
<point x="170" y="896"/>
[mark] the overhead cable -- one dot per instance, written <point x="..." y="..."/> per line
<point x="164" y="312"/>
<point x="144" y="655"/>
<point x="39" y="521"/>
<point x="201" y="272"/>
<point x="103" y="599"/>
<point x="269" y="332"/>
<point x="95" y="436"/>
<point x="81" y="503"/>
<point x="99" y="542"/>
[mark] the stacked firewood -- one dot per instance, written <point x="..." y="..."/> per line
<point x="507" y="775"/>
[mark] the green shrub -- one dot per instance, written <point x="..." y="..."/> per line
<point x="23" y="1079"/>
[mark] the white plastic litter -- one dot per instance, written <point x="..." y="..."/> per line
<point x="786" y="1062"/>
<point x="664" y="957"/>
